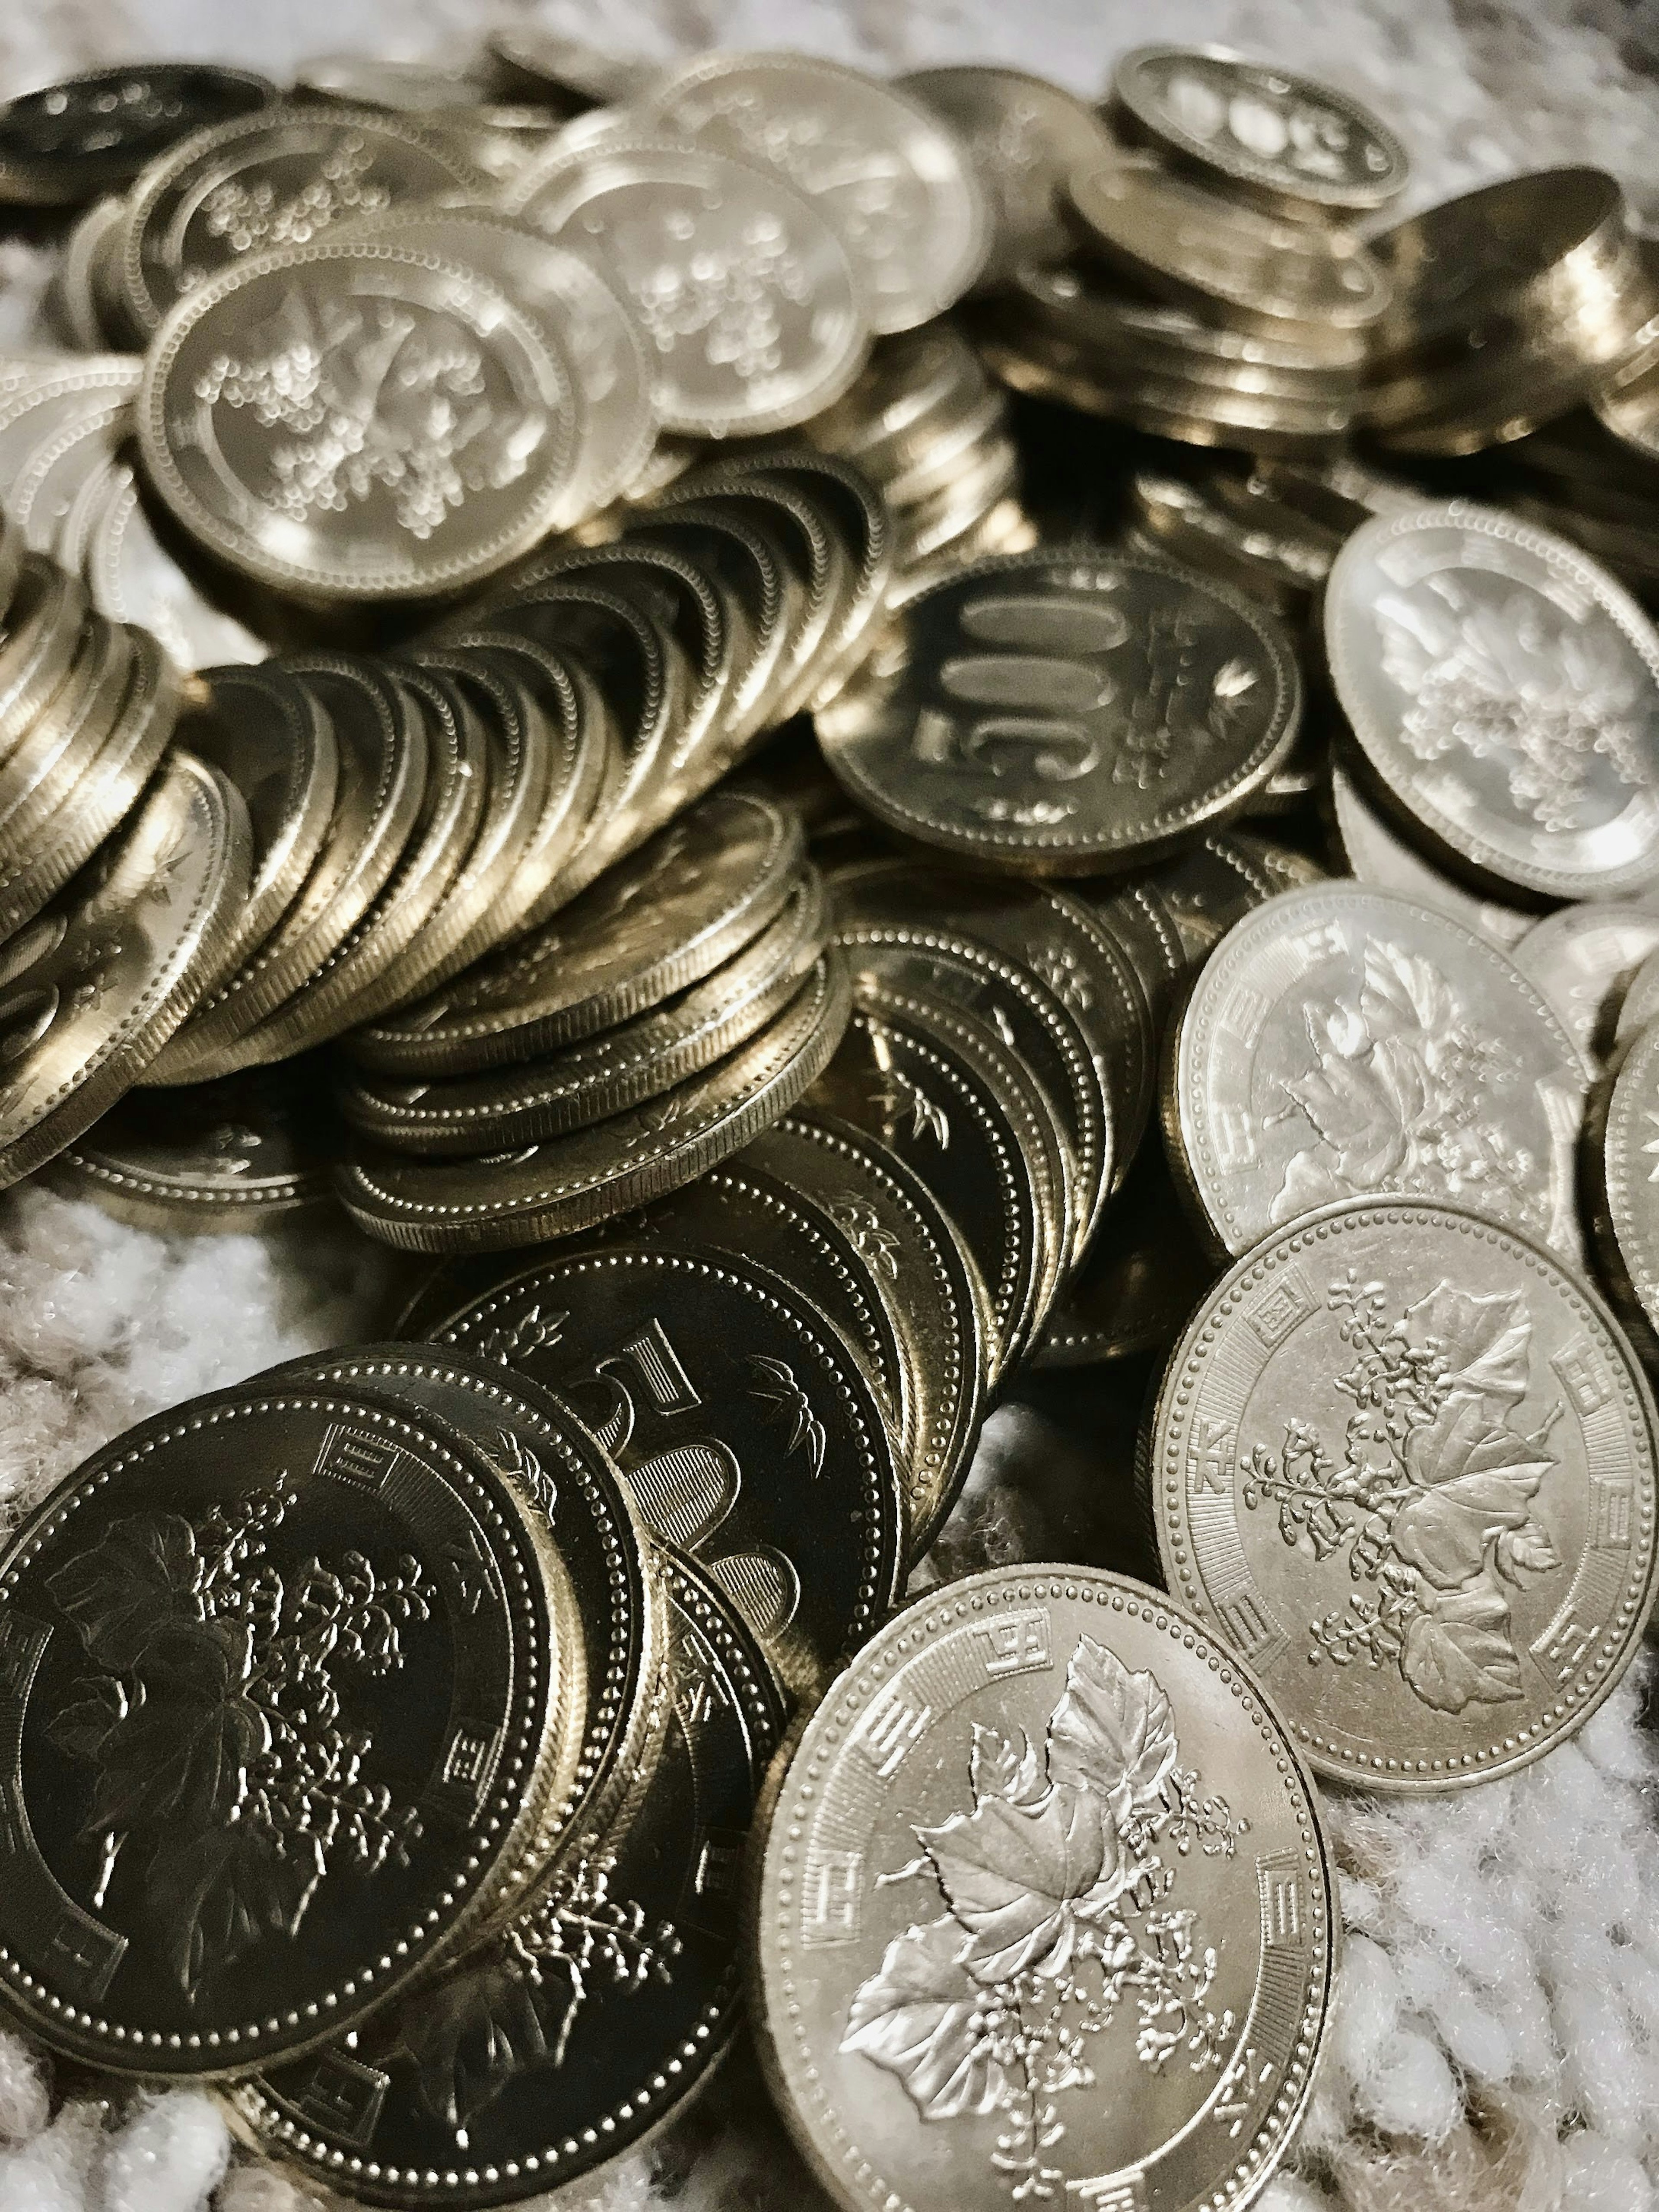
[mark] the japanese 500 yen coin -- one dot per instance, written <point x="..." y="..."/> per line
<point x="924" y="1084"/>
<point x="270" y="180"/>
<point x="280" y="1674"/>
<point x="1583" y="958"/>
<point x="583" y="1083"/>
<point x="895" y="182"/>
<point x="1343" y="1042"/>
<point x="517" y="2071"/>
<point x="134" y="578"/>
<point x="95" y="984"/>
<point x="465" y="421"/>
<point x="980" y="1900"/>
<point x="1057" y="712"/>
<point x="746" y="1425"/>
<point x="1269" y="135"/>
<point x="1138" y="1285"/>
<point x="1506" y="694"/>
<point x="242" y="1155"/>
<point x="634" y="210"/>
<point x="1404" y="1459"/>
<point x="1376" y="855"/>
<point x="922" y="1271"/>
<point x="78" y="138"/>
<point x="618" y="1636"/>
<point x="1621" y="1161"/>
<point x="663" y="919"/>
<point x="576" y="1181"/>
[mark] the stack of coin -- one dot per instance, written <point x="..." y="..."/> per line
<point x="1511" y="305"/>
<point x="1215" y="296"/>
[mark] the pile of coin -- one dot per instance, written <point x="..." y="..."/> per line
<point x="1200" y="923"/>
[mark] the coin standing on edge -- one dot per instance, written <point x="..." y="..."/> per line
<point x="1404" y="1459"/>
<point x="978" y="1896"/>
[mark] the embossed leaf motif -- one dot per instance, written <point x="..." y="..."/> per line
<point x="127" y="1585"/>
<point x="1024" y="1880"/>
<point x="219" y="1892"/>
<point x="471" y="2033"/>
<point x="914" y="2017"/>
<point x="81" y="1726"/>
<point x="1113" y="1731"/>
<point x="793" y="1405"/>
<point x="1461" y="1650"/>
<point x="182" y="1756"/>
<point x="1000" y="1768"/>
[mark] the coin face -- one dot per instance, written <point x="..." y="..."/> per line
<point x="956" y="1934"/>
<point x="1061" y="712"/>
<point x="694" y="1370"/>
<point x="1342" y="1042"/>
<point x="1274" y="137"/>
<point x="1583" y="959"/>
<point x="465" y="421"/>
<point x="757" y="329"/>
<point x="75" y="139"/>
<point x="215" y="1618"/>
<point x="896" y="184"/>
<point x="1506" y="693"/>
<point x="578" y="2066"/>
<point x="267" y="182"/>
<point x="1376" y="855"/>
<point x="1404" y="1459"/>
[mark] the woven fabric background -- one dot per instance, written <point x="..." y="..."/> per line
<point x="1496" y="2044"/>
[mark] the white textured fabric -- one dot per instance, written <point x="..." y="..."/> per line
<point x="1496" y="2042"/>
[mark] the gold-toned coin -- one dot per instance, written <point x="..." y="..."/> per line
<point x="1137" y="1285"/>
<point x="42" y="770"/>
<point x="95" y="984"/>
<point x="53" y="479"/>
<point x="571" y="1182"/>
<point x="661" y="920"/>
<point x="12" y="551"/>
<point x="45" y="623"/>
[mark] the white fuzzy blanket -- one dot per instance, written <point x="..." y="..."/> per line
<point x="1496" y="2043"/>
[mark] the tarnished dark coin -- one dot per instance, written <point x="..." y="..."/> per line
<point x="238" y="1157"/>
<point x="88" y="134"/>
<point x="1342" y="1042"/>
<point x="1258" y="129"/>
<point x="920" y="1269"/>
<point x="662" y="920"/>
<point x="697" y="1371"/>
<point x="1504" y="692"/>
<point x="1138" y="1282"/>
<point x="1062" y="712"/>
<point x="984" y="1842"/>
<point x="592" y="1175"/>
<point x="597" y="2010"/>
<point x="1404" y="1459"/>
<point x="283" y="1674"/>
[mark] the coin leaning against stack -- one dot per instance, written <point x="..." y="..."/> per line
<point x="767" y="1111"/>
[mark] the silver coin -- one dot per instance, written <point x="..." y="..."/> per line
<point x="1343" y="1042"/>
<point x="1621" y="1153"/>
<point x="894" y="181"/>
<point x="1376" y="855"/>
<point x="133" y="578"/>
<point x="1505" y="691"/>
<point x="1404" y="1460"/>
<point x="743" y="289"/>
<point x="1583" y="959"/>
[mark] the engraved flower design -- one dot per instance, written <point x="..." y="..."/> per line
<point x="1055" y="1889"/>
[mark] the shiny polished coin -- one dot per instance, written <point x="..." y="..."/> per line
<point x="268" y="734"/>
<point x="585" y="1082"/>
<point x="55" y="474"/>
<point x="1631" y="413"/>
<point x="41" y="773"/>
<point x="1188" y="245"/>
<point x="1377" y="856"/>
<point x="1025" y="136"/>
<point x="1137" y="1285"/>
<point x="1342" y="1042"/>
<point x="314" y="1585"/>
<point x="580" y="75"/>
<point x="581" y="318"/>
<point x="44" y="628"/>
<point x="921" y="1272"/>
<point x="694" y="1370"/>
<point x="463" y="441"/>
<point x="1583" y="958"/>
<point x="589" y="1175"/>
<point x="133" y="578"/>
<point x="383" y="768"/>
<point x="573" y="2071"/>
<point x="1270" y="553"/>
<point x="1062" y="711"/>
<point x="896" y="184"/>
<point x="12" y="553"/>
<point x="1621" y="1156"/>
<point x="1404" y="1459"/>
<point x="663" y="920"/>
<point x="379" y="81"/>
<point x="74" y="140"/>
<point x="1505" y="693"/>
<point x="1264" y="133"/>
<point x="270" y="182"/>
<point x="95" y="984"/>
<point x="239" y="1157"/>
<point x="912" y="383"/>
<point x="1218" y="881"/>
<point x="756" y="330"/>
<point x="63" y="395"/>
<point x="983" y="1843"/>
<point x="1640" y="1004"/>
